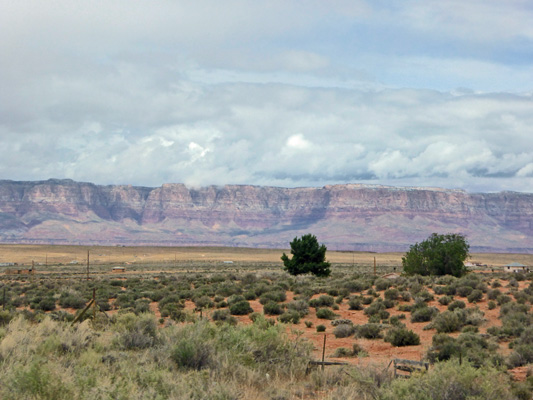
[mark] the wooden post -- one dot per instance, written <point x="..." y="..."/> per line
<point x="374" y="266"/>
<point x="87" y="264"/>
<point x="323" y="352"/>
<point x="4" y="303"/>
<point x="94" y="304"/>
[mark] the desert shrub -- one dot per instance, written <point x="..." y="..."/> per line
<point x="382" y="284"/>
<point x="368" y="331"/>
<point x="249" y="295"/>
<point x="5" y="317"/>
<point x="223" y="316"/>
<point x="300" y="306"/>
<point x="355" y="303"/>
<point x="448" y="321"/>
<point x="249" y="278"/>
<point x="395" y="320"/>
<point x="388" y="303"/>
<point x="72" y="300"/>
<point x="141" y="306"/>
<point x="425" y="296"/>
<point x="513" y="283"/>
<point x="445" y="300"/>
<point x="522" y="349"/>
<point x="46" y="304"/>
<point x="358" y="285"/>
<point x="424" y="314"/>
<point x="276" y="296"/>
<point x="227" y="289"/>
<point x="289" y="317"/>
<point x="375" y="308"/>
<point x="272" y="308"/>
<point x="137" y="332"/>
<point x="235" y="298"/>
<point x="451" y="380"/>
<point x="191" y="354"/>
<point x="338" y="322"/>
<point x="322" y="301"/>
<point x="405" y="295"/>
<point x="325" y="313"/>
<point x="438" y="289"/>
<point x="475" y="296"/>
<point x="405" y="307"/>
<point x="367" y="300"/>
<point x="491" y="305"/>
<point x="240" y="308"/>
<point x="503" y="299"/>
<point x="464" y="291"/>
<point x="321" y="328"/>
<point x="521" y="297"/>
<point x="457" y="304"/>
<point x="493" y="294"/>
<point x="402" y="337"/>
<point x="496" y="284"/>
<point x="344" y="352"/>
<point x="343" y="330"/>
<point x="308" y="324"/>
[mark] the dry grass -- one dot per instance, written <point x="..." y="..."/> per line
<point x="46" y="255"/>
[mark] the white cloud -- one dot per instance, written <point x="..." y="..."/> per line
<point x="277" y="93"/>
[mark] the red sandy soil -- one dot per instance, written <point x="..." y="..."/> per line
<point x="379" y="352"/>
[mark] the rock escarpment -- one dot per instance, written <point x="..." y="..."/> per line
<point x="344" y="217"/>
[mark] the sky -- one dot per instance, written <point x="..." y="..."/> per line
<point x="277" y="93"/>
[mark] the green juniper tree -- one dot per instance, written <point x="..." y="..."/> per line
<point x="437" y="255"/>
<point x="308" y="256"/>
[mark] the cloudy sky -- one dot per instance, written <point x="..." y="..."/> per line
<point x="278" y="92"/>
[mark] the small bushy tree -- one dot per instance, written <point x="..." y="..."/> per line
<point x="308" y="256"/>
<point x="438" y="255"/>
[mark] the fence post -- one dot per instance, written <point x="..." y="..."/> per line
<point x="323" y="352"/>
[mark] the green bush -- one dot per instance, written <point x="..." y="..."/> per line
<point x="300" y="306"/>
<point x="322" y="301"/>
<point x="475" y="296"/>
<point x="448" y="321"/>
<point x="272" y="308"/>
<point x="382" y="284"/>
<point x="191" y="354"/>
<point x="424" y="314"/>
<point x="392" y="294"/>
<point x="240" y="308"/>
<point x="355" y="303"/>
<point x="402" y="337"/>
<point x="451" y="380"/>
<point x="457" y="304"/>
<point x="343" y="330"/>
<point x="464" y="291"/>
<point x="368" y="331"/>
<point x="289" y="317"/>
<point x="445" y="300"/>
<point x="321" y="328"/>
<point x="325" y="313"/>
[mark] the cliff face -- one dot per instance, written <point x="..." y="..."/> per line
<point x="347" y="217"/>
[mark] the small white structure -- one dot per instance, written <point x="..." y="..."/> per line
<point x="118" y="269"/>
<point x="515" y="267"/>
<point x="392" y="276"/>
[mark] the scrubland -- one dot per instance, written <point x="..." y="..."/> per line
<point x="249" y="331"/>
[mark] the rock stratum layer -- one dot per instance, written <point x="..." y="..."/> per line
<point x="344" y="217"/>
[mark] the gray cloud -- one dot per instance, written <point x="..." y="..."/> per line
<point x="146" y="93"/>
